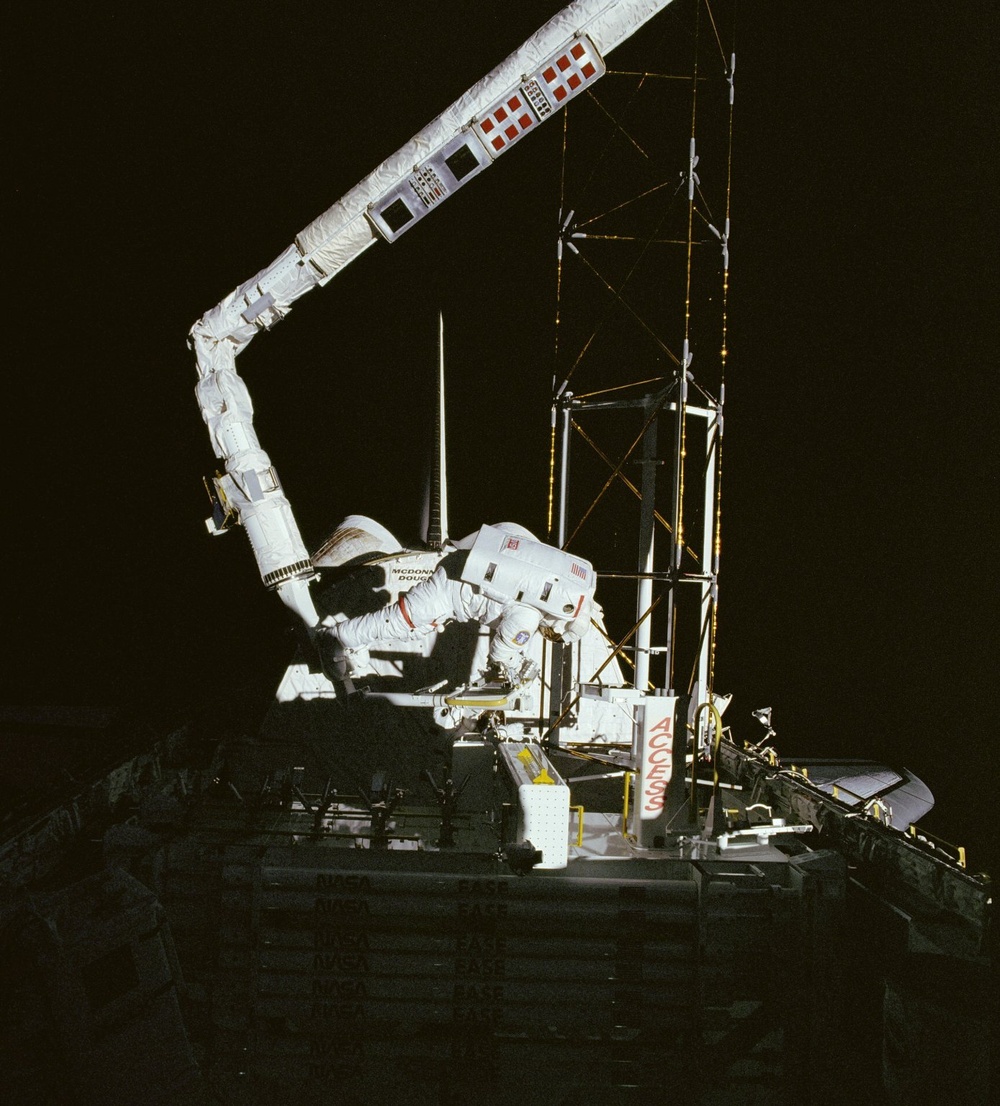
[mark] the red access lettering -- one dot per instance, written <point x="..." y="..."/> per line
<point x="657" y="763"/>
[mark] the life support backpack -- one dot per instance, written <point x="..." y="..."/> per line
<point x="511" y="568"/>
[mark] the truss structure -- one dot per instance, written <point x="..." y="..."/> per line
<point x="639" y="382"/>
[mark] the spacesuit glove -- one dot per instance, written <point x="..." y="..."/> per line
<point x="517" y="674"/>
<point x="497" y="672"/>
<point x="324" y="633"/>
<point x="526" y="673"/>
<point x="345" y="662"/>
<point x="358" y="662"/>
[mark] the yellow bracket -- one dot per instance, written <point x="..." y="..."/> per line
<point x="579" y="825"/>
<point x="628" y="784"/>
<point x="543" y="777"/>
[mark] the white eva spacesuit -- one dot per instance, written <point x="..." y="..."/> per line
<point x="500" y="576"/>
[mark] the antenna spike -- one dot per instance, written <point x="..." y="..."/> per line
<point x="434" y="529"/>
<point x="442" y="451"/>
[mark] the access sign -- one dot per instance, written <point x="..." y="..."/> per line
<point x="656" y="768"/>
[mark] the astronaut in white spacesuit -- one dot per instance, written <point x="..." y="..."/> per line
<point x="500" y="576"/>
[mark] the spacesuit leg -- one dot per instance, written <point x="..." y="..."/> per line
<point x="433" y="602"/>
<point x="419" y="610"/>
<point x="385" y="624"/>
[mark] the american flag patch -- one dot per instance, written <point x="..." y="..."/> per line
<point x="579" y="570"/>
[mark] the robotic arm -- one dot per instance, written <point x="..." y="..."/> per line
<point x="561" y="60"/>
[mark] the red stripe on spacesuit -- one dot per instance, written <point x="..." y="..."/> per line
<point x="405" y="613"/>
<point x="578" y="606"/>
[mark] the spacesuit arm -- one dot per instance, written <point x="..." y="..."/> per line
<point x="514" y="631"/>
